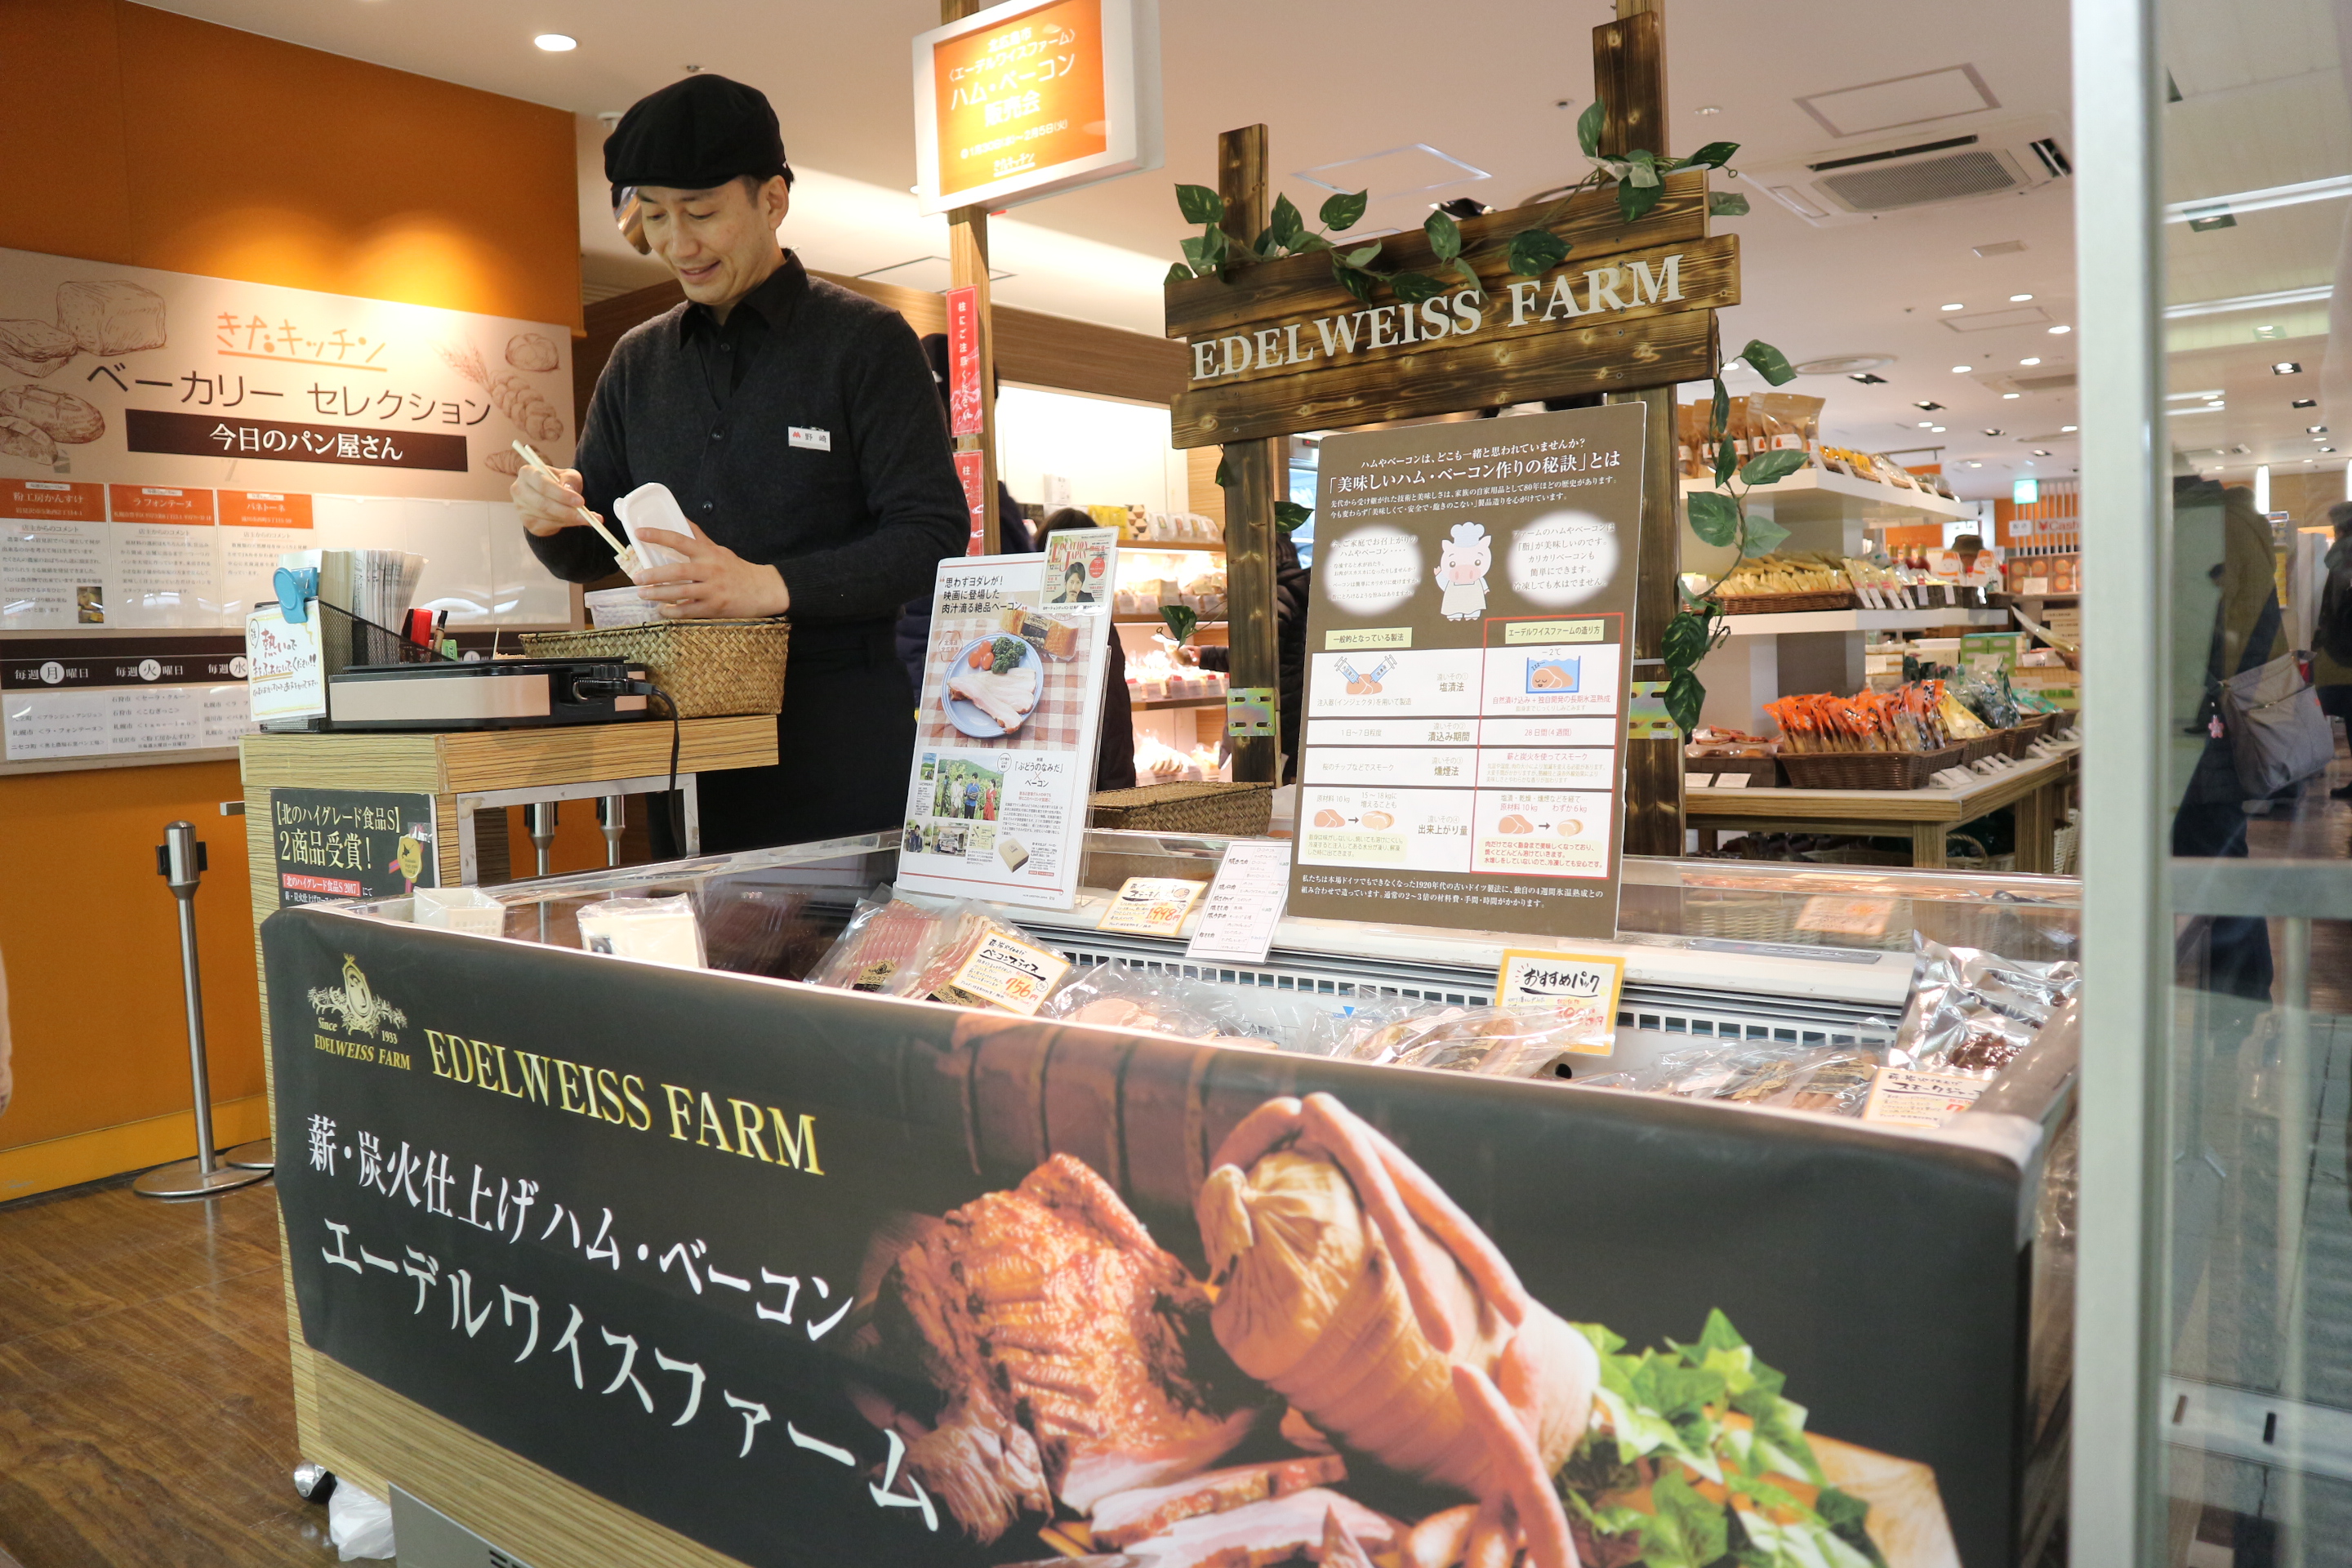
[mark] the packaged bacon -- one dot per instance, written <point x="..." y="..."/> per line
<point x="886" y="933"/>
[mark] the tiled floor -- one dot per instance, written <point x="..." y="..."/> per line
<point x="145" y="1412"/>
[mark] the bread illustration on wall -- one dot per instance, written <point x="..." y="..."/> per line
<point x="34" y="348"/>
<point x="111" y="318"/>
<point x="510" y="394"/>
<point x="60" y="415"/>
<point x="508" y="463"/>
<point x="533" y="351"/>
<point x="19" y="438"/>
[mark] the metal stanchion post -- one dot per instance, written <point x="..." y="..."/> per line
<point x="180" y="861"/>
<point x="539" y="818"/>
<point x="613" y="816"/>
<point x="261" y="1154"/>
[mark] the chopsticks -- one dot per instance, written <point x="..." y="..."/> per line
<point x="590" y="518"/>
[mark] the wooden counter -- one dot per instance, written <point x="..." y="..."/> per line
<point x="2037" y="788"/>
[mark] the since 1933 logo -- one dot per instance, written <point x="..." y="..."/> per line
<point x="357" y="1006"/>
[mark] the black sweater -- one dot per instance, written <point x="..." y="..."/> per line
<point x="855" y="531"/>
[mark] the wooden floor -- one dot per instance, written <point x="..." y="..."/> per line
<point x="145" y="1415"/>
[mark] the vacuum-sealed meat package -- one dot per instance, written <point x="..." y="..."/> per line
<point x="1972" y="1012"/>
<point x="886" y="933"/>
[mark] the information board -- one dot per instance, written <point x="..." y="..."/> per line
<point x="350" y="844"/>
<point x="1468" y="642"/>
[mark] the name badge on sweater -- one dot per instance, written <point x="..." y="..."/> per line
<point x="809" y="436"/>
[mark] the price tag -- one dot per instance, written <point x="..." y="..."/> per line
<point x="1528" y="974"/>
<point x="1900" y="1097"/>
<point x="1155" y="905"/>
<point x="1244" y="903"/>
<point x="1698" y="781"/>
<point x="1006" y="972"/>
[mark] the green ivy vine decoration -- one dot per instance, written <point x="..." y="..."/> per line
<point x="1639" y="177"/>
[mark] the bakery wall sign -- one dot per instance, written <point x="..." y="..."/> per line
<point x="1285" y="348"/>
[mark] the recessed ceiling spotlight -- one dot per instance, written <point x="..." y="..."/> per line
<point x="2304" y="403"/>
<point x="2060" y="332"/>
<point x="2041" y="451"/>
<point x="1954" y="307"/>
<point x="1995" y="430"/>
<point x="2008" y="395"/>
<point x="1868" y="380"/>
<point x="1926" y="424"/>
<point x="1710" y="108"/>
<point x="1937" y="429"/>
<point x="2066" y="429"/>
<point x="2315" y="429"/>
<point x="557" y="43"/>
<point x="1962" y="369"/>
<point x="1928" y="404"/>
<point x="2286" y="367"/>
<point x="2036" y="360"/>
<point x="2019" y="299"/>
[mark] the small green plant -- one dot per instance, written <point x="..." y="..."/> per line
<point x="1719" y="517"/>
<point x="1639" y="177"/>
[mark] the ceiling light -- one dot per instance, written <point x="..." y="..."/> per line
<point x="2066" y="429"/>
<point x="1711" y="109"/>
<point x="1926" y="424"/>
<point x="2304" y="403"/>
<point x="1976" y="465"/>
<point x="2041" y="451"/>
<point x="2060" y="332"/>
<point x="2185" y="396"/>
<point x="1992" y="430"/>
<point x="2286" y="367"/>
<point x="2265" y="334"/>
<point x="1927" y="403"/>
<point x="2019" y="299"/>
<point x="2262" y="200"/>
<point x="1962" y="369"/>
<point x="2315" y="429"/>
<point x="2314" y="295"/>
<point x="557" y="43"/>
<point x="1868" y="380"/>
<point x="1937" y="429"/>
<point x="2008" y="395"/>
<point x="1956" y="307"/>
<point x="2328" y="448"/>
<point x="2036" y="360"/>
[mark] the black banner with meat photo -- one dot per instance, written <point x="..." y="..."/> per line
<point x="812" y="1276"/>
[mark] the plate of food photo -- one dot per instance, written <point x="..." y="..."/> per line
<point x="994" y="686"/>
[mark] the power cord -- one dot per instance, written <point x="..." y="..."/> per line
<point x="598" y="686"/>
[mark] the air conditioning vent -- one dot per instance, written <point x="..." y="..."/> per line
<point x="1858" y="185"/>
<point x="2043" y="383"/>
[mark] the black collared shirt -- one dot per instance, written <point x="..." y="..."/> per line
<point x="728" y="350"/>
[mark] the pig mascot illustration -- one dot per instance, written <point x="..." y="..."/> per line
<point x="1463" y="562"/>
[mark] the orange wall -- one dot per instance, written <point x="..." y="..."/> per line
<point x="142" y="137"/>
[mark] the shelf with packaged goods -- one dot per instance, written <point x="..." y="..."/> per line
<point x="1769" y="624"/>
<point x="1816" y="495"/>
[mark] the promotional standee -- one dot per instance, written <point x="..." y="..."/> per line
<point x="1466" y="674"/>
<point x="812" y="1276"/>
<point x="1012" y="710"/>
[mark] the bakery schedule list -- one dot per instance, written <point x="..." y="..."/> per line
<point x="1468" y="642"/>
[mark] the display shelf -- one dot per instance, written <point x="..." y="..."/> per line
<point x="1154" y="620"/>
<point x="1862" y="621"/>
<point x="1814" y="494"/>
<point x="1140" y="706"/>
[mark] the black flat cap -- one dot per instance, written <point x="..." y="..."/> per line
<point x="696" y="133"/>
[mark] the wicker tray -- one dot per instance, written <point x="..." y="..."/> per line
<point x="1763" y="773"/>
<point x="1866" y="770"/>
<point x="1995" y="744"/>
<point x="1784" y="603"/>
<point x="1230" y="810"/>
<point x="712" y="670"/>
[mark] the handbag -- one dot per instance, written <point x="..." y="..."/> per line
<point x="2277" y="732"/>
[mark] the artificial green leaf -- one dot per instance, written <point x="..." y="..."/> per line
<point x="1444" y="235"/>
<point x="1588" y="127"/>
<point x="1342" y="211"/>
<point x="1287" y="225"/>
<point x="1764" y="536"/>
<point x="1469" y="275"/>
<point x="1727" y="458"/>
<point x="1290" y="517"/>
<point x="1181" y="620"/>
<point x="1714" y="516"/>
<point x="1635" y="201"/>
<point x="1684" y="699"/>
<point x="1265" y="245"/>
<point x="1214" y="246"/>
<point x="1767" y="362"/>
<point x="1413" y="287"/>
<point x="1200" y="204"/>
<point x="1713" y="155"/>
<point x="1224" y="473"/>
<point x="1684" y="643"/>
<point x="1721" y="411"/>
<point x="1178" y="273"/>
<point x="1725" y="204"/>
<point x="1355" y="280"/>
<point x="1306" y="242"/>
<point x="1362" y="255"/>
<point x="1195" y="252"/>
<point x="1536" y="251"/>
<point x="1640" y="167"/>
<point x="1771" y="467"/>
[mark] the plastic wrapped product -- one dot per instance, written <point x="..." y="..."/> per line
<point x="1833" y="1080"/>
<point x="980" y="961"/>
<point x="1522" y="1040"/>
<point x="659" y="930"/>
<point x="1122" y="996"/>
<point x="1972" y="1012"/>
<point x="886" y="933"/>
<point x="460" y="909"/>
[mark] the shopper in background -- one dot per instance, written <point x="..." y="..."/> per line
<point x="796" y="423"/>
<point x="1291" y="582"/>
<point x="2331" y="633"/>
<point x="1013" y="538"/>
<point x="1115" y="752"/>
<point x="2248" y="633"/>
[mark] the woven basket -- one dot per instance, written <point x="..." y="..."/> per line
<point x="712" y="670"/>
<point x="1865" y="770"/>
<point x="1763" y="773"/>
<point x="1784" y="603"/>
<point x="1229" y="810"/>
<point x="1995" y="744"/>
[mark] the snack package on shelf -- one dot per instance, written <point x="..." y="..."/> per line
<point x="1920" y="716"/>
<point x="1971" y="1012"/>
<point x="1766" y="576"/>
<point x="1782" y="422"/>
<point x="1833" y="1080"/>
<point x="659" y="930"/>
<point x="1520" y="1040"/>
<point x="886" y="933"/>
<point x="1709" y="740"/>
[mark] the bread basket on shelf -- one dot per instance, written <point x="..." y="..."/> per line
<point x="1866" y="770"/>
<point x="1220" y="810"/>
<point x="1784" y="603"/>
<point x="711" y="670"/>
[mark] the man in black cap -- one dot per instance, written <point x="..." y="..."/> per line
<point x="795" y="421"/>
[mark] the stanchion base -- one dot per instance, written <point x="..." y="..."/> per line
<point x="183" y="1180"/>
<point x="261" y="1154"/>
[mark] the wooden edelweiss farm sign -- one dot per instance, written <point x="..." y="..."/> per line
<point x="1284" y="347"/>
